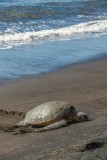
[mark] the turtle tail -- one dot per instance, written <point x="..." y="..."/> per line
<point x="21" y="124"/>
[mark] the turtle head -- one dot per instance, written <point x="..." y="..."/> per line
<point x="81" y="117"/>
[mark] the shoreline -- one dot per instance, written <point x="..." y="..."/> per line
<point x="84" y="85"/>
<point x="58" y="69"/>
<point x="28" y="60"/>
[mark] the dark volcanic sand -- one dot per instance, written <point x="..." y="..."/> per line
<point x="82" y="85"/>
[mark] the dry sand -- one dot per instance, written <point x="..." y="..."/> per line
<point x="84" y="86"/>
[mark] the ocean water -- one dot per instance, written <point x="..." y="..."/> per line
<point x="38" y="36"/>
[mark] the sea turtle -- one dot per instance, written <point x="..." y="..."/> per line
<point x="52" y="115"/>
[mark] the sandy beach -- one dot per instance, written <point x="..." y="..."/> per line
<point x="84" y="85"/>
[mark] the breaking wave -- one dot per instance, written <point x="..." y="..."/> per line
<point x="82" y="30"/>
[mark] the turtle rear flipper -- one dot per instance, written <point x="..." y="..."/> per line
<point x="21" y="123"/>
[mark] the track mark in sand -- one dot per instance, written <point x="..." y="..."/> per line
<point x="8" y="119"/>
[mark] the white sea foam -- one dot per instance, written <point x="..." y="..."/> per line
<point x="89" y="29"/>
<point x="3" y="47"/>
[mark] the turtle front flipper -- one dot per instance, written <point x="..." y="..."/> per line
<point x="53" y="126"/>
<point x="21" y="123"/>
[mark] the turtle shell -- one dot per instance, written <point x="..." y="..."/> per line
<point x="47" y="113"/>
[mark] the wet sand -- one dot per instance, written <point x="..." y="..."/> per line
<point x="84" y="86"/>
